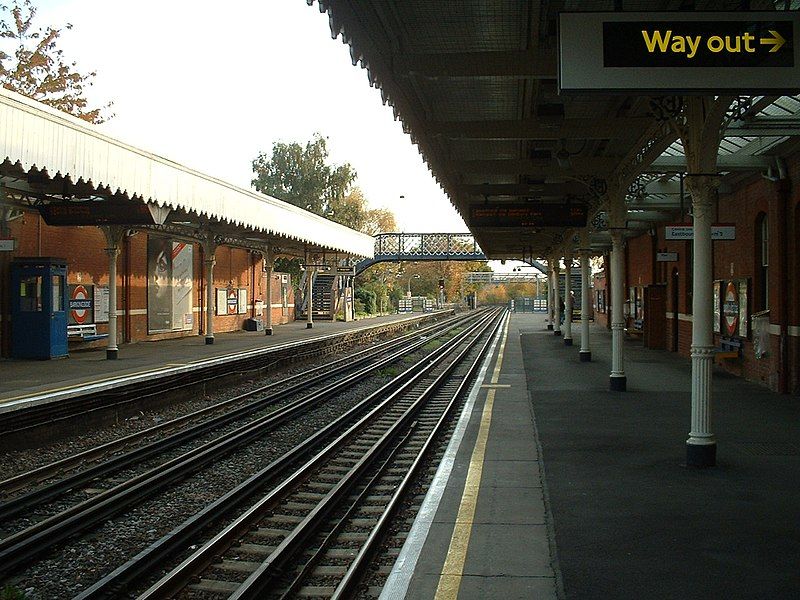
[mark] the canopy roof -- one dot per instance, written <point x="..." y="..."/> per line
<point x="474" y="83"/>
<point x="49" y="157"/>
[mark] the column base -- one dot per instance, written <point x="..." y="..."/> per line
<point x="268" y="331"/>
<point x="111" y="354"/>
<point x="618" y="384"/>
<point x="568" y="341"/>
<point x="585" y="355"/>
<point x="309" y="325"/>
<point x="701" y="456"/>
<point x="209" y="341"/>
<point x="549" y="327"/>
<point x="556" y="332"/>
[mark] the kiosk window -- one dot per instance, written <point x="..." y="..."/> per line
<point x="30" y="294"/>
<point x="58" y="301"/>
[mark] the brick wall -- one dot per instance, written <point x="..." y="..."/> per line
<point x="734" y="260"/>
<point x="84" y="250"/>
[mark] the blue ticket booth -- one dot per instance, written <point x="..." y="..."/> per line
<point x="38" y="308"/>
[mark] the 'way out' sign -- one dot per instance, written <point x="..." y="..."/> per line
<point x="743" y="52"/>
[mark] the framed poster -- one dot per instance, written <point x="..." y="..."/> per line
<point x="101" y="304"/>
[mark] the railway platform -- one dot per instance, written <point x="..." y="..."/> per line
<point x="556" y="487"/>
<point x="29" y="382"/>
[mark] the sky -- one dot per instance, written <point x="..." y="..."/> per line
<point x="211" y="84"/>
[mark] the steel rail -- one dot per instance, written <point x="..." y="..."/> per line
<point x="16" y="422"/>
<point x="23" y="546"/>
<point x="295" y="384"/>
<point x="176" y="579"/>
<point x="111" y="585"/>
<point x="257" y="583"/>
<point x="355" y="572"/>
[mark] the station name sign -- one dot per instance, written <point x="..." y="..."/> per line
<point x="97" y="213"/>
<point x="527" y="215"/>
<point x="744" y="52"/>
<point x="686" y="232"/>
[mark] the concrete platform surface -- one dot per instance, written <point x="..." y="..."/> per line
<point x="23" y="379"/>
<point x="631" y="521"/>
<point x="582" y="492"/>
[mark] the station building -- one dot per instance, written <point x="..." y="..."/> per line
<point x="192" y="254"/>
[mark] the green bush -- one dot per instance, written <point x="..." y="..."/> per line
<point x="368" y="299"/>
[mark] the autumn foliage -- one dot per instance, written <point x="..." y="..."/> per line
<point x="31" y="64"/>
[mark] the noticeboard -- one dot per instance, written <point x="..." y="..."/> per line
<point x="675" y="52"/>
<point x="527" y="215"/>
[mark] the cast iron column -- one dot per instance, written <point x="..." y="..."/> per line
<point x="310" y="295"/>
<point x="209" y="260"/>
<point x="568" y="300"/>
<point x="268" y="264"/>
<point x="585" y="352"/>
<point x="114" y="235"/>
<point x="556" y="300"/>
<point x="618" y="382"/>
<point x="550" y="311"/>
<point x="701" y="447"/>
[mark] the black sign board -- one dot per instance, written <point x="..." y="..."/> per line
<point x="724" y="44"/>
<point x="527" y="215"/>
<point x="680" y="52"/>
<point x="97" y="213"/>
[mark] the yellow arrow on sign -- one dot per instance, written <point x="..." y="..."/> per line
<point x="777" y="41"/>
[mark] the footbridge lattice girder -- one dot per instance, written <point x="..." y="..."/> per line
<point x="397" y="247"/>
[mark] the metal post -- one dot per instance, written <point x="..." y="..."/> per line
<point x="556" y="300"/>
<point x="113" y="236"/>
<point x="310" y="296"/>
<point x="268" y="266"/>
<point x="551" y="315"/>
<point x="618" y="380"/>
<point x="568" y="300"/>
<point x="209" y="260"/>
<point x="585" y="351"/>
<point x="701" y="447"/>
<point x="111" y="349"/>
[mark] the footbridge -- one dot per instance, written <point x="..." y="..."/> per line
<point x="396" y="247"/>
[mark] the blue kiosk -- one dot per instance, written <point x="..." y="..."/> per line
<point x="39" y="308"/>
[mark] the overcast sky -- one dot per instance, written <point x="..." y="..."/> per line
<point x="210" y="84"/>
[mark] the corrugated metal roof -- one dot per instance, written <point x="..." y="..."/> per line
<point x="35" y="135"/>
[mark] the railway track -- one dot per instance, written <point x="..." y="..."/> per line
<point x="316" y="531"/>
<point x="16" y="425"/>
<point x="126" y="451"/>
<point x="22" y="547"/>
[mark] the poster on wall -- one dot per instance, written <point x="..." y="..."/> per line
<point x="717" y="309"/>
<point x="159" y="284"/>
<point x="222" y="302"/>
<point x="182" y="267"/>
<point x="742" y="307"/>
<point x="101" y="304"/>
<point x="730" y="309"/>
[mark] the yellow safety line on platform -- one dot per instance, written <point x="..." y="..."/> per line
<point x="453" y="569"/>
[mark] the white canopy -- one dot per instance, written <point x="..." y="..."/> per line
<point x="35" y="135"/>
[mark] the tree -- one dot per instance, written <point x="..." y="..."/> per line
<point x="302" y="176"/>
<point x="34" y="66"/>
<point x="379" y="220"/>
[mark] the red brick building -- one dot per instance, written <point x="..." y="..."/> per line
<point x="756" y="274"/>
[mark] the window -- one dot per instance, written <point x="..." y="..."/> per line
<point x="761" y="296"/>
<point x="30" y="294"/>
<point x="58" y="301"/>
